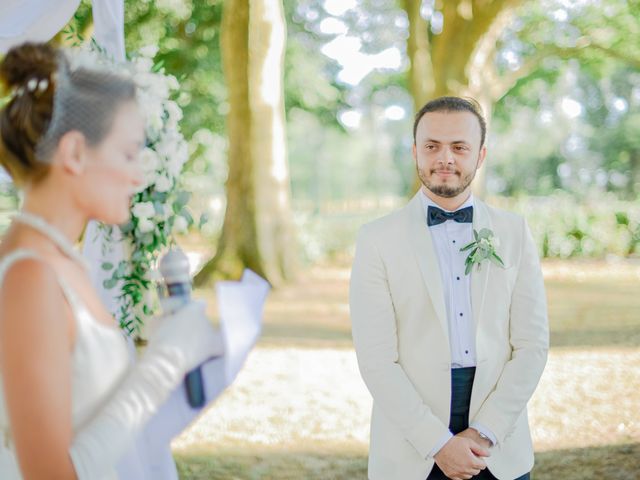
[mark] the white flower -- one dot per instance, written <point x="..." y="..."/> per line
<point x="154" y="86"/>
<point x="154" y="125"/>
<point x="180" y="224"/>
<point x="163" y="184"/>
<point x="149" y="51"/>
<point x="172" y="82"/>
<point x="145" y="225"/>
<point x="175" y="114"/>
<point x="143" y="210"/>
<point x="165" y="147"/>
<point x="143" y="64"/>
<point x="150" y="161"/>
<point x="174" y="166"/>
<point x="168" y="212"/>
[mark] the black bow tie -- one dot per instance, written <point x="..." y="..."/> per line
<point x="436" y="216"/>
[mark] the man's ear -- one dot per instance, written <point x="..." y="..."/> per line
<point x="481" y="156"/>
<point x="414" y="152"/>
<point x="72" y="149"/>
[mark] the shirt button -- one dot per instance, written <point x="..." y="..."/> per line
<point x="461" y="314"/>
<point x="457" y="278"/>
<point x="466" y="351"/>
<point x="454" y="241"/>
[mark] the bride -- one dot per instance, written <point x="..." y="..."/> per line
<point x="70" y="402"/>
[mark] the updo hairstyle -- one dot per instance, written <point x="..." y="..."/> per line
<point x="48" y="99"/>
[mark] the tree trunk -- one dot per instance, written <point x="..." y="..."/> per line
<point x="421" y="82"/>
<point x="267" y="37"/>
<point x="256" y="232"/>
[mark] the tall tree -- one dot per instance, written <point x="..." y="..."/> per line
<point x="257" y="230"/>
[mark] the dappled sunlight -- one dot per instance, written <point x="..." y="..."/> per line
<point x="616" y="269"/>
<point x="587" y="397"/>
<point x="288" y="397"/>
<point x="310" y="398"/>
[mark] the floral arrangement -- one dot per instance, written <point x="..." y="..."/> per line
<point x="159" y="208"/>
<point x="481" y="249"/>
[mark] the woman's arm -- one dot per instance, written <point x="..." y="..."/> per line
<point x="36" y="336"/>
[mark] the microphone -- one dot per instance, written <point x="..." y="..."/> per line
<point x="174" y="267"/>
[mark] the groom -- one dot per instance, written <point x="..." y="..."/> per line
<point x="450" y="356"/>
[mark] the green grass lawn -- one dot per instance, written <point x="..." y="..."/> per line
<point x="611" y="462"/>
<point x="585" y="415"/>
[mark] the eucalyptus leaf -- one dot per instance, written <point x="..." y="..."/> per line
<point x="467" y="247"/>
<point x="499" y="260"/>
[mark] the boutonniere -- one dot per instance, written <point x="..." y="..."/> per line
<point x="481" y="249"/>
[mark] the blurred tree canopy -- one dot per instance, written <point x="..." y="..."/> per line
<point x="582" y="100"/>
<point x="502" y="52"/>
<point x="560" y="80"/>
<point x="567" y="72"/>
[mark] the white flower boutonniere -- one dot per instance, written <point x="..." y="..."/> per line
<point x="481" y="249"/>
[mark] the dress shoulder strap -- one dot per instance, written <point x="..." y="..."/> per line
<point x="21" y="254"/>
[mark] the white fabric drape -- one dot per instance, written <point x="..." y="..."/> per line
<point x="108" y="22"/>
<point x="32" y="20"/>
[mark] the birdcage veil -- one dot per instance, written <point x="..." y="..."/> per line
<point x="87" y="91"/>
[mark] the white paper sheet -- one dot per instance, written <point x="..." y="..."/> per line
<point x="240" y="307"/>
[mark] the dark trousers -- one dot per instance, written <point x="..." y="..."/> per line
<point x="461" y="386"/>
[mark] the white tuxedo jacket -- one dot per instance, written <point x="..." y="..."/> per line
<point x="401" y="339"/>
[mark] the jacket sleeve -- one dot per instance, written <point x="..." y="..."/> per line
<point x="376" y="344"/>
<point x="529" y="339"/>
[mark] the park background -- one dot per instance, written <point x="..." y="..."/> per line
<point x="299" y="120"/>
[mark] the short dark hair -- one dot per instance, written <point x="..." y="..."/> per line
<point x="453" y="104"/>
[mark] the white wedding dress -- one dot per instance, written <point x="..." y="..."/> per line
<point x="100" y="361"/>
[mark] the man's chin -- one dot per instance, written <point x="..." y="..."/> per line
<point x="445" y="191"/>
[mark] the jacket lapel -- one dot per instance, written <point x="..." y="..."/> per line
<point x="425" y="254"/>
<point x="479" y="278"/>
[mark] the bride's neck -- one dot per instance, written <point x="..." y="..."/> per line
<point x="57" y="208"/>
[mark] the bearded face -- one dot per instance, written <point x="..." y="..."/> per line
<point x="448" y="152"/>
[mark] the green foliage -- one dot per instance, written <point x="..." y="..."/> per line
<point x="188" y="38"/>
<point x="631" y="228"/>
<point x="564" y="227"/>
<point x="587" y="55"/>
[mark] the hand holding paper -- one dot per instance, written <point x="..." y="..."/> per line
<point x="240" y="306"/>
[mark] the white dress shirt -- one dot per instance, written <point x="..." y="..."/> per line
<point x="448" y="238"/>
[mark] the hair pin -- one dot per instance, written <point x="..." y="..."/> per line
<point x="32" y="84"/>
<point x="43" y="84"/>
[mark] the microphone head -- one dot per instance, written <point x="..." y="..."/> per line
<point x="174" y="267"/>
